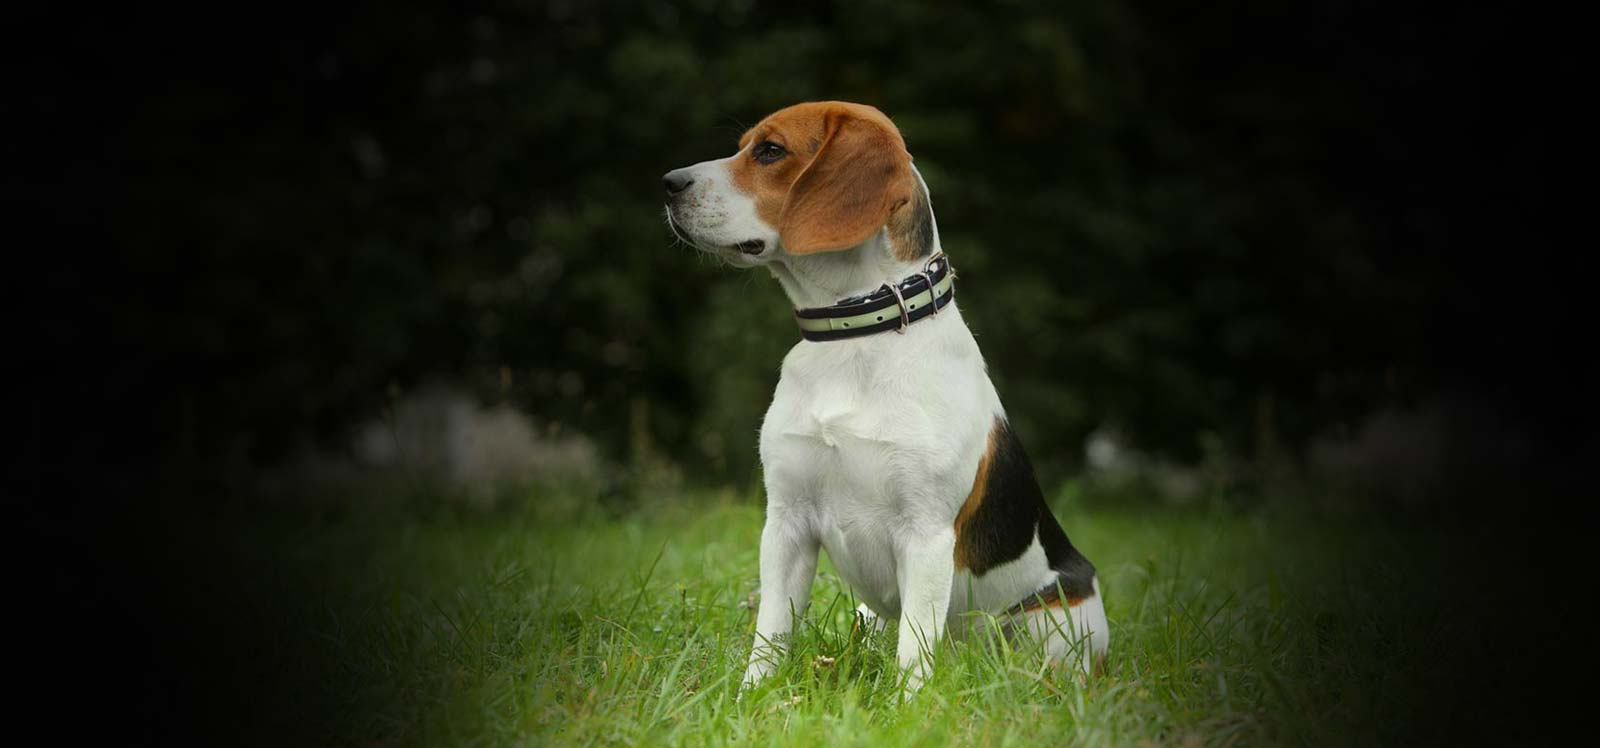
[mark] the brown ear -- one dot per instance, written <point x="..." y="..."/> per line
<point x="861" y="173"/>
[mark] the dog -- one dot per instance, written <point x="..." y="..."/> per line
<point x="885" y="442"/>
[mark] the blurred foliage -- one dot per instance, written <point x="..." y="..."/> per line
<point x="1195" y="227"/>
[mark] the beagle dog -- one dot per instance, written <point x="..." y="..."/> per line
<point x="885" y="442"/>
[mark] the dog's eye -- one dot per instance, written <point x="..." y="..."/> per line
<point x="767" y="152"/>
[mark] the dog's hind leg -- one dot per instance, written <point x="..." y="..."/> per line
<point x="1071" y="631"/>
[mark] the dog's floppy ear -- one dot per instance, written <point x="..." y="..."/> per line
<point x="860" y="174"/>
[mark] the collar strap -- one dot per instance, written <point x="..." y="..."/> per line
<point x="891" y="307"/>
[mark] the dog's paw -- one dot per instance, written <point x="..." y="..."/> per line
<point x="869" y="620"/>
<point x="758" y="670"/>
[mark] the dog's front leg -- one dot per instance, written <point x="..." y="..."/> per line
<point x="788" y="564"/>
<point x="926" y="570"/>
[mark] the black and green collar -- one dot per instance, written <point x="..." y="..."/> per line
<point x="891" y="307"/>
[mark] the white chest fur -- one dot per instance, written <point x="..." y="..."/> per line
<point x="869" y="439"/>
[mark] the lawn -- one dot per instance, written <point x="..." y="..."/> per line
<point x="552" y="621"/>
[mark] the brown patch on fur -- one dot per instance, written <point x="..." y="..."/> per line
<point x="965" y="551"/>
<point x="839" y="193"/>
<point x="1049" y="597"/>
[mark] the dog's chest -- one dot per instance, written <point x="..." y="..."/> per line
<point x="864" y="459"/>
<point x="834" y="481"/>
<point x="839" y="430"/>
<point x="882" y="397"/>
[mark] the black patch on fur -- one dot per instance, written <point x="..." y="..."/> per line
<point x="918" y="233"/>
<point x="1013" y="508"/>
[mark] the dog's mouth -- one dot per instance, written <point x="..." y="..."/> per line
<point x="748" y="247"/>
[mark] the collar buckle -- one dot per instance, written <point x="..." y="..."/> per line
<point x="928" y="269"/>
<point x="900" y="299"/>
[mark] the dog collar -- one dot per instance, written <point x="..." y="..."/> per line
<point x="891" y="307"/>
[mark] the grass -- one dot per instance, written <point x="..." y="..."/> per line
<point x="555" y="623"/>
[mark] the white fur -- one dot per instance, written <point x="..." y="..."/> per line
<point x="870" y="447"/>
<point x="715" y="215"/>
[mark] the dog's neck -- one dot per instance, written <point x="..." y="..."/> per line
<point x="822" y="279"/>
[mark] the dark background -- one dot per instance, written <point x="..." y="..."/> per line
<point x="1225" y="232"/>
<point x="1174" y="222"/>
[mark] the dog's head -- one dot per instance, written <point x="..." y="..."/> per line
<point x="815" y="177"/>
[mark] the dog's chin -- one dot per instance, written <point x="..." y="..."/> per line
<point x="749" y="251"/>
<point x="740" y="256"/>
<point x="745" y="254"/>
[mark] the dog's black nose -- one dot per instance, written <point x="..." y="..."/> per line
<point x="677" y="181"/>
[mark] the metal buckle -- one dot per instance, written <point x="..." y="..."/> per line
<point x="905" y="319"/>
<point x="927" y="275"/>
